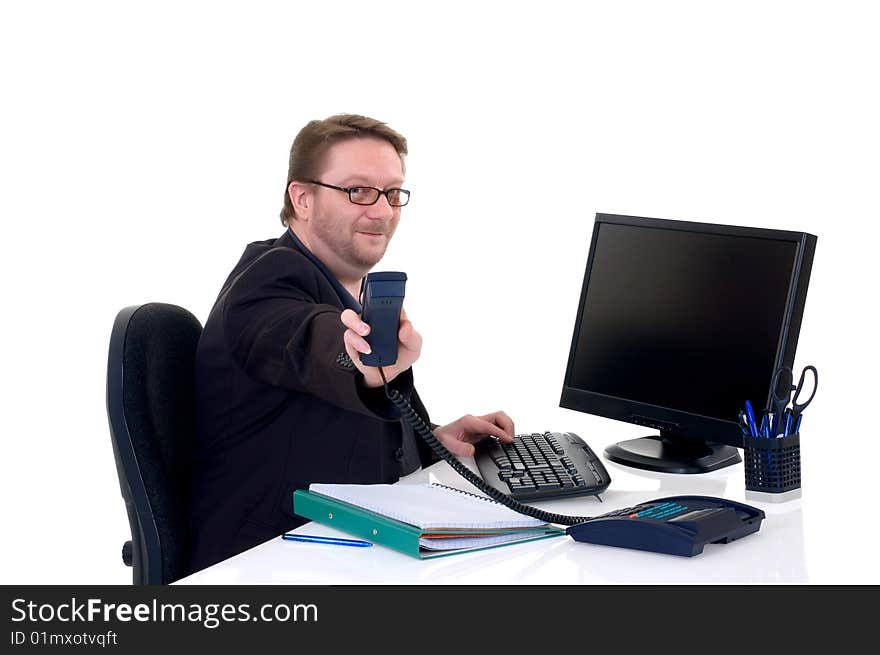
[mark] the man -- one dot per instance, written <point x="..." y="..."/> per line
<point x="282" y="398"/>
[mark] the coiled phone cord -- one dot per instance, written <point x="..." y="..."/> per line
<point x="424" y="431"/>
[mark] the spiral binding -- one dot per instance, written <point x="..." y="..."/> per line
<point x="462" y="491"/>
<point x="424" y="431"/>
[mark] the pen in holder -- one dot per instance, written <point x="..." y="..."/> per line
<point x="773" y="468"/>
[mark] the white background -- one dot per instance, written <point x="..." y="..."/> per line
<point x="143" y="145"/>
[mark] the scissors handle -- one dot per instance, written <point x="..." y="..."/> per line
<point x="781" y="394"/>
<point x="796" y="407"/>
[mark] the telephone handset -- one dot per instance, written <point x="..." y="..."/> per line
<point x="679" y="525"/>
<point x="381" y="302"/>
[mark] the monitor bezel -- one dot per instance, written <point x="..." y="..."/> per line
<point x="671" y="421"/>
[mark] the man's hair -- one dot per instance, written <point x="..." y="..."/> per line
<point x="315" y="139"/>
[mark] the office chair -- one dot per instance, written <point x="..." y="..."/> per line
<point x="150" y="379"/>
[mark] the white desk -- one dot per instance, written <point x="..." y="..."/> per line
<point x="783" y="551"/>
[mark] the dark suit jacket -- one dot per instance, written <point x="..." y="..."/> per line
<point x="279" y="405"/>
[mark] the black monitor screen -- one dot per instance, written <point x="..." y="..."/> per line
<point x="686" y="320"/>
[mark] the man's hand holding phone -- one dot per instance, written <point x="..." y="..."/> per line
<point x="409" y="347"/>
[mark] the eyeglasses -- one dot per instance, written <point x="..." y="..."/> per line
<point x="369" y="195"/>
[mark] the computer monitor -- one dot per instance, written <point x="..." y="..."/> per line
<point x="679" y="323"/>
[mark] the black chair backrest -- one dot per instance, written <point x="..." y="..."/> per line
<point x="150" y="380"/>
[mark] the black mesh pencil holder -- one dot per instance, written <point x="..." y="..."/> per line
<point x="773" y="467"/>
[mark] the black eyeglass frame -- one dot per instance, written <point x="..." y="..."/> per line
<point x="379" y="193"/>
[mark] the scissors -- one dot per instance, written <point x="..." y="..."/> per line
<point x="788" y="421"/>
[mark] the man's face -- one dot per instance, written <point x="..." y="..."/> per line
<point x="356" y="236"/>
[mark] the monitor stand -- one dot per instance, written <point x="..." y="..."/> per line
<point x="669" y="453"/>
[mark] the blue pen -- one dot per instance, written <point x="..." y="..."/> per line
<point x="787" y="426"/>
<point x="292" y="536"/>
<point x="750" y="413"/>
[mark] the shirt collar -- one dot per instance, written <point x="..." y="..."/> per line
<point x="347" y="299"/>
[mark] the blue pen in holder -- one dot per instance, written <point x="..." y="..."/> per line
<point x="773" y="468"/>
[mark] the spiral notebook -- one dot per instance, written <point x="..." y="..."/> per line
<point x="422" y="520"/>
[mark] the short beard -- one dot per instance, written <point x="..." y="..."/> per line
<point x="346" y="249"/>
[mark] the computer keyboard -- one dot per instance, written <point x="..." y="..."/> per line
<point x="541" y="466"/>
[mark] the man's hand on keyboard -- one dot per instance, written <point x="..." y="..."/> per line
<point x="459" y="435"/>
